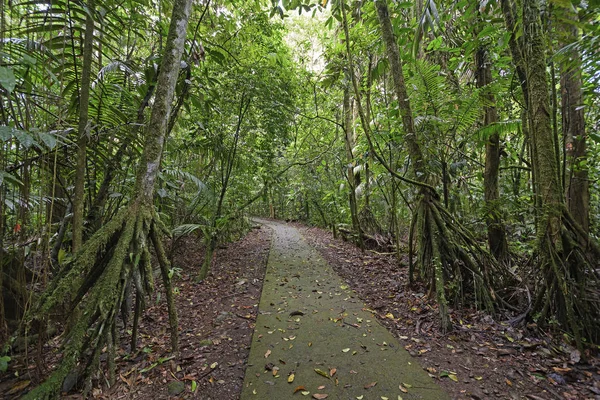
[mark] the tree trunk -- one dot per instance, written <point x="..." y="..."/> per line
<point x="573" y="125"/>
<point x="117" y="254"/>
<point x="496" y="233"/>
<point x="566" y="274"/>
<point x="83" y="128"/>
<point x="350" y="177"/>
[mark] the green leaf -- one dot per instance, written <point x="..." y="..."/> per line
<point x="4" y="363"/>
<point x="7" y="79"/>
<point x="194" y="386"/>
<point x="48" y="139"/>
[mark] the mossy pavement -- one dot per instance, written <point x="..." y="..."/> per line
<point x="311" y="324"/>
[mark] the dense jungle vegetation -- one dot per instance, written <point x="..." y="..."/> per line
<point x="465" y="134"/>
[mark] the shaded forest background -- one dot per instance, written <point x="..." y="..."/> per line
<point x="465" y="134"/>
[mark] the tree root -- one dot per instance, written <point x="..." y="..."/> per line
<point x="568" y="284"/>
<point x="94" y="285"/>
<point x="451" y="261"/>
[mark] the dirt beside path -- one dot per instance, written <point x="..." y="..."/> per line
<point x="315" y="336"/>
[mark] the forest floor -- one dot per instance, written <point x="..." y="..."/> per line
<point x="481" y="359"/>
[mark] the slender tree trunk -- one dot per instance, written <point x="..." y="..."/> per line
<point x="496" y="233"/>
<point x="83" y="128"/>
<point x="573" y="125"/>
<point x="350" y="177"/>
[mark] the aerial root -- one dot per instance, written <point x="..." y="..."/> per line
<point x="451" y="261"/>
<point x="94" y="286"/>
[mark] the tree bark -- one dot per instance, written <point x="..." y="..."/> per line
<point x="573" y="125"/>
<point x="350" y="177"/>
<point x="495" y="227"/>
<point x="83" y="128"/>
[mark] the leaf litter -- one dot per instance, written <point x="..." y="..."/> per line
<point x="493" y="360"/>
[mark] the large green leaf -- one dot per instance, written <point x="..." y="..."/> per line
<point x="7" y="79"/>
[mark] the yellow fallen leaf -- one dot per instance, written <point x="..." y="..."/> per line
<point x="453" y="377"/>
<point x="346" y="350"/>
<point x="384" y="398"/>
<point x="389" y="315"/>
<point x="359" y="397"/>
<point x="291" y="378"/>
<point x="479" y="378"/>
<point x="305" y="393"/>
<point x="254" y="391"/>
<point x="322" y="373"/>
<point x="214" y="365"/>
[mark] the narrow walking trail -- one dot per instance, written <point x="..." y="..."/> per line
<point x="311" y="325"/>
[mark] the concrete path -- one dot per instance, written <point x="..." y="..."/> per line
<point x="311" y="325"/>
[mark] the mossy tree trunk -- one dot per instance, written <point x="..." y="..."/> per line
<point x="567" y="282"/>
<point x="83" y="127"/>
<point x="95" y="282"/>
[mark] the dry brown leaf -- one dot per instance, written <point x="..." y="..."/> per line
<point x="299" y="388"/>
<point x="370" y="385"/>
<point x="320" y="396"/>
<point x="332" y="371"/>
<point x="268" y="353"/>
<point x="321" y="387"/>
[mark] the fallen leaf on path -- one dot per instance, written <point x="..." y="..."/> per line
<point x="321" y="387"/>
<point x="268" y="353"/>
<point x="305" y="393"/>
<point x="370" y="385"/>
<point x="453" y="377"/>
<point x="320" y="396"/>
<point x="275" y="371"/>
<point x="346" y="350"/>
<point x="291" y="378"/>
<point x="299" y="388"/>
<point x="322" y="373"/>
<point x="332" y="371"/>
